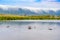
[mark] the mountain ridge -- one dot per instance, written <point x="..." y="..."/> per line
<point x="28" y="10"/>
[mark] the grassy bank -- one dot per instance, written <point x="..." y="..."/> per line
<point x="18" y="17"/>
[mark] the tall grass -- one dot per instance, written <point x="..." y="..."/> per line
<point x="41" y="17"/>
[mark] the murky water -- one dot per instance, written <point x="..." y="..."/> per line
<point x="19" y="30"/>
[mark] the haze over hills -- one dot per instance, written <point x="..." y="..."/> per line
<point x="29" y="10"/>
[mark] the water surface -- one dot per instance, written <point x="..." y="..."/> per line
<point x="18" y="30"/>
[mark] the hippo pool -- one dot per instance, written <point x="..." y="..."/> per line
<point x="29" y="30"/>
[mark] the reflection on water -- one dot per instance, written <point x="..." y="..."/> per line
<point x="31" y="25"/>
<point x="29" y="30"/>
<point x="19" y="24"/>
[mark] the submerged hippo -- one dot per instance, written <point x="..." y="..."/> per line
<point x="8" y="26"/>
<point x="29" y="27"/>
<point x="50" y="29"/>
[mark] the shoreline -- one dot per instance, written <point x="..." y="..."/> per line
<point x="31" y="20"/>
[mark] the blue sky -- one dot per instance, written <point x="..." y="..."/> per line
<point x="32" y="3"/>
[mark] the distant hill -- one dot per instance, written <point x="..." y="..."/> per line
<point x="29" y="11"/>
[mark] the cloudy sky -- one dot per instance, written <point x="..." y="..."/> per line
<point x="32" y="3"/>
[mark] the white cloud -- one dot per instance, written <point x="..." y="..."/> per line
<point x="33" y="3"/>
<point x="47" y="4"/>
<point x="20" y="0"/>
<point x="49" y="0"/>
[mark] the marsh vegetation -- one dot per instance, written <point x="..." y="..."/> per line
<point x="25" y="17"/>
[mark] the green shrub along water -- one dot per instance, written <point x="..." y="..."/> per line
<point x="41" y="17"/>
